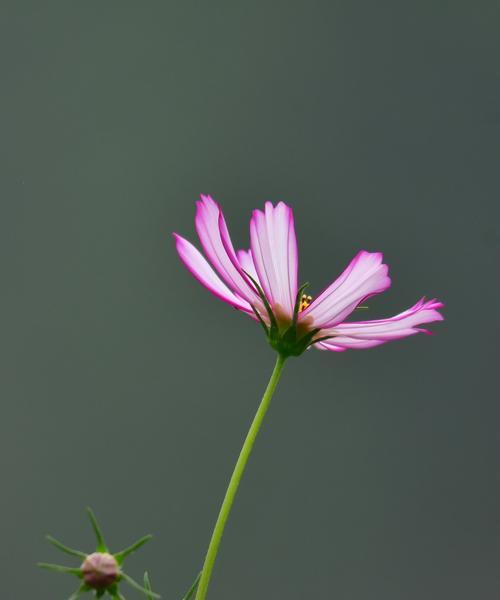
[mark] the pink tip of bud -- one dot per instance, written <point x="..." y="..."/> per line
<point x="100" y="570"/>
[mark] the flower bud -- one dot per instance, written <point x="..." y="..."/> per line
<point x="100" y="570"/>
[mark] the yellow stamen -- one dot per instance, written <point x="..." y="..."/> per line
<point x="305" y="301"/>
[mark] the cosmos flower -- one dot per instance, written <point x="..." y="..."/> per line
<point x="263" y="283"/>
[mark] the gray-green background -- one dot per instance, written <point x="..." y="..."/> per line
<point x="128" y="387"/>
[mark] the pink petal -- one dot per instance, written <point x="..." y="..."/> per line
<point x="245" y="259"/>
<point x="366" y="275"/>
<point x="348" y="343"/>
<point x="211" y="227"/>
<point x="274" y="250"/>
<point x="366" y="334"/>
<point x="203" y="272"/>
<point x="327" y="346"/>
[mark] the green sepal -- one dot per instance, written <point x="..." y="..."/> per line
<point x="321" y="339"/>
<point x="101" y="544"/>
<point x="260" y="291"/>
<point x="112" y="590"/>
<point x="76" y="571"/>
<point x="120" y="556"/>
<point x="147" y="586"/>
<point x="192" y="590"/>
<point x="307" y="339"/>
<point x="289" y="344"/>
<point x="260" y="319"/>
<point x="138" y="586"/>
<point x="298" y="300"/>
<point x="81" y="590"/>
<point x="64" y="548"/>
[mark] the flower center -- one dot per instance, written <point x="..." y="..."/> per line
<point x="305" y="301"/>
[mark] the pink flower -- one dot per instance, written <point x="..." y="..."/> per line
<point x="263" y="282"/>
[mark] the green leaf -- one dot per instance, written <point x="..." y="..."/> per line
<point x="101" y="544"/>
<point x="193" y="588"/>
<point x="64" y="548"/>
<point x="61" y="569"/>
<point x="138" y="587"/>
<point x="120" y="556"/>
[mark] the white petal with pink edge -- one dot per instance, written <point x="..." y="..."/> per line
<point x="198" y="266"/>
<point x="245" y="259"/>
<point x="366" y="275"/>
<point x="274" y="250"/>
<point x="211" y="227"/>
<point x="366" y="334"/>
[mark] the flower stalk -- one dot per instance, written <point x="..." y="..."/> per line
<point x="234" y="482"/>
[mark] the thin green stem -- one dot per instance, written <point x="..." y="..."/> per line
<point x="234" y="482"/>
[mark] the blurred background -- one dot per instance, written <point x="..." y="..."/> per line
<point x="129" y="388"/>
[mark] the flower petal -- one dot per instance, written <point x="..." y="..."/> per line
<point x="274" y="250"/>
<point x="245" y="259"/>
<point x="366" y="275"/>
<point x="366" y="334"/>
<point x="347" y="343"/>
<point x="211" y="226"/>
<point x="329" y="346"/>
<point x="196" y="263"/>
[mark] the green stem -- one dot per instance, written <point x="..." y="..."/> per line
<point x="239" y="469"/>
